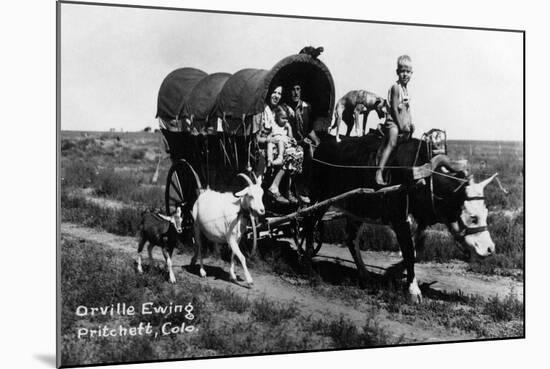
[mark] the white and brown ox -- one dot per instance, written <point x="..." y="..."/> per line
<point x="223" y="218"/>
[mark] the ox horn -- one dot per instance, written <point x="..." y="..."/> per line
<point x="246" y="178"/>
<point x="488" y="180"/>
<point x="443" y="160"/>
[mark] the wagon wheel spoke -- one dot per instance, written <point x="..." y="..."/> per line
<point x="316" y="242"/>
<point x="181" y="185"/>
<point x="176" y="190"/>
<point x="178" y="184"/>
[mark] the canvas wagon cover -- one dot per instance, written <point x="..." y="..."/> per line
<point x="175" y="90"/>
<point x="204" y="94"/>
<point x="243" y="94"/>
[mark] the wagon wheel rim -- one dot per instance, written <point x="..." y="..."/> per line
<point x="300" y="238"/>
<point x="182" y="184"/>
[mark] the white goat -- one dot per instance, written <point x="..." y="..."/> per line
<point x="223" y="217"/>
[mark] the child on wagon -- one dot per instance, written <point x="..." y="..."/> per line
<point x="280" y="136"/>
<point x="398" y="119"/>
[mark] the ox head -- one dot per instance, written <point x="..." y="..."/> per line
<point x="468" y="224"/>
<point x="471" y="226"/>
<point x="251" y="196"/>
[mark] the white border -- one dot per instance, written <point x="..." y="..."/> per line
<point x="28" y="182"/>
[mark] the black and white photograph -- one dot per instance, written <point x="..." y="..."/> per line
<point x="240" y="184"/>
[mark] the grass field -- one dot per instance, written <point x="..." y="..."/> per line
<point x="106" y="183"/>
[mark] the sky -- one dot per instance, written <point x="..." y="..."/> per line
<point x="113" y="60"/>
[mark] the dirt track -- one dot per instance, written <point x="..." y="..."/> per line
<point x="450" y="277"/>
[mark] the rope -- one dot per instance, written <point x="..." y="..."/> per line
<point x="388" y="166"/>
<point x="449" y="176"/>
<point x="500" y="186"/>
<point x="359" y="166"/>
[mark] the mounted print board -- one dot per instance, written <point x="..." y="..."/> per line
<point x="239" y="184"/>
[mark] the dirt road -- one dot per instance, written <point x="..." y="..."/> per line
<point x="447" y="277"/>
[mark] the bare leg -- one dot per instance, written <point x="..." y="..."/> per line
<point x="140" y="249"/>
<point x="391" y="141"/>
<point x="237" y="252"/>
<point x="290" y="194"/>
<point x="277" y="181"/>
<point x="168" y="259"/>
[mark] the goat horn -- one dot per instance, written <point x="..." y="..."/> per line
<point x="246" y="178"/>
<point x="444" y="160"/>
<point x="254" y="177"/>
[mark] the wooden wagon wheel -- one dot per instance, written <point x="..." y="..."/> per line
<point x="300" y="237"/>
<point x="182" y="186"/>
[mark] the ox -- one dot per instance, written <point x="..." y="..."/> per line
<point x="446" y="196"/>
<point x="159" y="230"/>
<point x="223" y="217"/>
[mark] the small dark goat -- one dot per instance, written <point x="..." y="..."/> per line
<point x="159" y="230"/>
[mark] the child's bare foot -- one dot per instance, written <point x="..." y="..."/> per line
<point x="379" y="179"/>
<point x="276" y="195"/>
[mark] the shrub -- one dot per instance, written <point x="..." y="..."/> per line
<point x="79" y="173"/>
<point x="439" y="245"/>
<point x="67" y="145"/>
<point x="377" y="237"/>
<point x="230" y="300"/>
<point x="114" y="184"/>
<point x="345" y="334"/>
<point x="138" y="154"/>
<point x="504" y="310"/>
<point x="264" y="310"/>
<point x="77" y="209"/>
<point x="508" y="235"/>
<point x="149" y="196"/>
